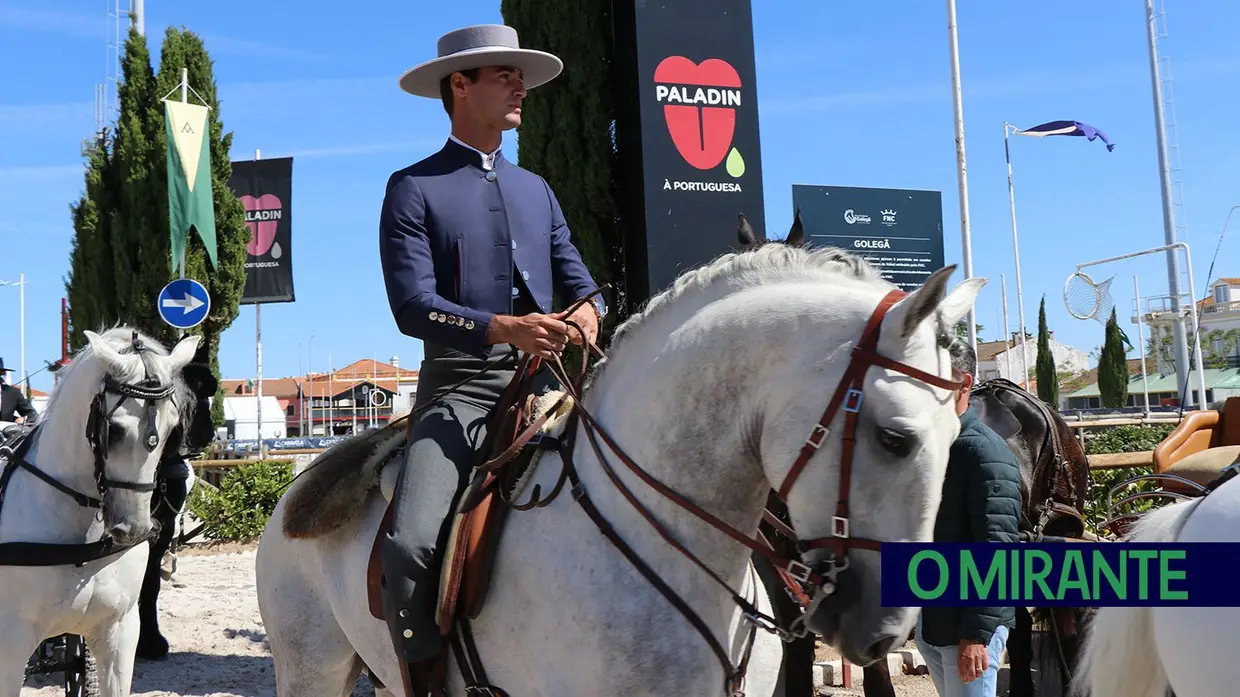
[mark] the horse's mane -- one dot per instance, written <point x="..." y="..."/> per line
<point x="119" y="337"/>
<point x="771" y="262"/>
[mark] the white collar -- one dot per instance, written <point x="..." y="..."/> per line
<point x="488" y="160"/>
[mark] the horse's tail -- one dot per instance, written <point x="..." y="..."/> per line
<point x="1120" y="658"/>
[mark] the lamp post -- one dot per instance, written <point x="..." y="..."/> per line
<point x="21" y="283"/>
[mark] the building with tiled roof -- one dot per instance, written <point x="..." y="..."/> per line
<point x="364" y="393"/>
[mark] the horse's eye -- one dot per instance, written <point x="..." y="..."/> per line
<point x="894" y="442"/>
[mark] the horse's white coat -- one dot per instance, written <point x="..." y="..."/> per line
<point x="1146" y="651"/>
<point x="99" y="600"/>
<point x="713" y="390"/>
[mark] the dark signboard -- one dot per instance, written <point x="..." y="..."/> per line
<point x="899" y="231"/>
<point x="265" y="187"/>
<point x="688" y="131"/>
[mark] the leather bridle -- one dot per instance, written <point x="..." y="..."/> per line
<point x="98" y="424"/>
<point x="822" y="574"/>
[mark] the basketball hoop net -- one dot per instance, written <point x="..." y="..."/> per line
<point x="1085" y="298"/>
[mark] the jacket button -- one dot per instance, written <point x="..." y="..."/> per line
<point x="514" y="244"/>
<point x="525" y="275"/>
<point x="515" y="292"/>
<point x="434" y="316"/>
<point x="491" y="176"/>
<point x="408" y="633"/>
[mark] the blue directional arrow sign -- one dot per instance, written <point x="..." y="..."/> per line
<point x="184" y="303"/>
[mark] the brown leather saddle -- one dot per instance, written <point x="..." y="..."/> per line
<point x="513" y="439"/>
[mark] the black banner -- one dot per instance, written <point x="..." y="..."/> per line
<point x="689" y="133"/>
<point x="899" y="231"/>
<point x="265" y="187"/>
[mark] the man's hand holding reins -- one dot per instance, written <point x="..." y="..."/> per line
<point x="540" y="335"/>
<point x="585" y="317"/>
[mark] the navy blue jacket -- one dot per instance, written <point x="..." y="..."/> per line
<point x="451" y="235"/>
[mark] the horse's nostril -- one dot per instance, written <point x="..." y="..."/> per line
<point x="120" y="531"/>
<point x="880" y="648"/>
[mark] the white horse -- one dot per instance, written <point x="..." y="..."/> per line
<point x="99" y="442"/>
<point x="1147" y="651"/>
<point x="713" y="389"/>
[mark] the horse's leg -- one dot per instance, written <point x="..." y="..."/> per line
<point x="114" y="650"/>
<point x="1020" y="656"/>
<point x="876" y="680"/>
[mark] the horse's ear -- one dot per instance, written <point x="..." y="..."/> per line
<point x="796" y="235"/>
<point x="184" y="351"/>
<point x="932" y="298"/>
<point x="113" y="361"/>
<point x="957" y="304"/>
<point x="745" y="233"/>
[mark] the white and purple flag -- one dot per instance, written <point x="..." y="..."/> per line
<point x="1066" y="128"/>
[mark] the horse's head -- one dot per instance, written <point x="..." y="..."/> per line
<point x="139" y="397"/>
<point x="875" y="472"/>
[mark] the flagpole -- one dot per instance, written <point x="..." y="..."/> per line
<point x="966" y="243"/>
<point x="1145" y="381"/>
<point x="184" y="98"/>
<point x="1007" y="334"/>
<point x="1020" y="296"/>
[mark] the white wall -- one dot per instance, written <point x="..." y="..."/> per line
<point x="1067" y="359"/>
<point x="242" y="412"/>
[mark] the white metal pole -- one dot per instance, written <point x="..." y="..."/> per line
<point x="1192" y="308"/>
<point x="331" y="398"/>
<point x="1145" y="380"/>
<point x="1020" y="296"/>
<point x="258" y="358"/>
<point x="1164" y="170"/>
<point x="139" y="16"/>
<point x="21" y="281"/>
<point x="966" y="244"/>
<point x="1007" y="335"/>
<point x="309" y="372"/>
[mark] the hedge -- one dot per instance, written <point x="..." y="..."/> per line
<point x="244" y="502"/>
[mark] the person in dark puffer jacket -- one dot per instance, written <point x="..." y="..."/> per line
<point x="963" y="646"/>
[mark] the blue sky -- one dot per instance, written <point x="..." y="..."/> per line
<point x="850" y="93"/>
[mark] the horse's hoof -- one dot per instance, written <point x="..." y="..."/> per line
<point x="153" y="649"/>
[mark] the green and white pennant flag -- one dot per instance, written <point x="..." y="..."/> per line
<point x="190" y="200"/>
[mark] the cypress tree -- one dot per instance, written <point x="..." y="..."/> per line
<point x="1113" y="367"/>
<point x="1047" y="377"/>
<point x="121" y="248"/>
<point x="566" y="128"/>
<point x="92" y="302"/>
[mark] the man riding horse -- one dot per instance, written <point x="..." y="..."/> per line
<point x="472" y="248"/>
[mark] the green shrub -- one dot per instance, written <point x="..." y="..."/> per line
<point x="1121" y="439"/>
<point x="240" y="508"/>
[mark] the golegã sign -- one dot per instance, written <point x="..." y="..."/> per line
<point x="689" y="133"/>
<point x="899" y="231"/>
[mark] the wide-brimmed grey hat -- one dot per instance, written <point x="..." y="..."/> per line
<point x="476" y="47"/>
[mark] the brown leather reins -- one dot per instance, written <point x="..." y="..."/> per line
<point x="822" y="574"/>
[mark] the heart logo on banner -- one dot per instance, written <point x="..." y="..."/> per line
<point x="262" y="217"/>
<point x="699" y="104"/>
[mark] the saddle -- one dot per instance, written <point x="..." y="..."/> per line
<point x="1053" y="499"/>
<point x="521" y="425"/>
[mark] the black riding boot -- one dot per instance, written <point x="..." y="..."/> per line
<point x="166" y="504"/>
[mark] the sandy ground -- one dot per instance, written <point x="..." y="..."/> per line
<point x="219" y="648"/>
